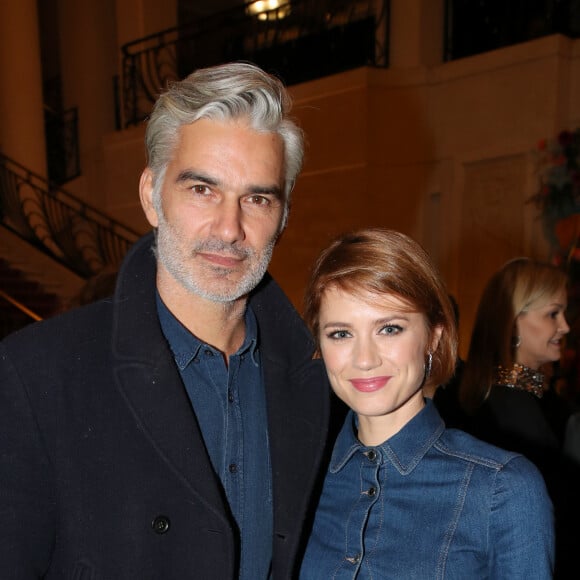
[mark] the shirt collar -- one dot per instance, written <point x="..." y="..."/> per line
<point x="403" y="450"/>
<point x="185" y="346"/>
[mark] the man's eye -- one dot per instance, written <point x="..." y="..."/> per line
<point x="201" y="189"/>
<point x="259" y="200"/>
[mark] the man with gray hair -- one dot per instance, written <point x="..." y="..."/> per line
<point x="178" y="429"/>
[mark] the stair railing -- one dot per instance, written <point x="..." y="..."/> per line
<point x="79" y="236"/>
<point x="15" y="315"/>
<point x="19" y="306"/>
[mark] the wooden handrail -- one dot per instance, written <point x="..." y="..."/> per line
<point x="20" y="306"/>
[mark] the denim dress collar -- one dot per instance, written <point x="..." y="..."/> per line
<point x="404" y="450"/>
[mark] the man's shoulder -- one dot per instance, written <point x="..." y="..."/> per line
<point x="67" y="330"/>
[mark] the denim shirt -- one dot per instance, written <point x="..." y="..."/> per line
<point x="230" y="406"/>
<point x="429" y="503"/>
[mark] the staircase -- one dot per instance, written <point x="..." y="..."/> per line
<point x="35" y="302"/>
<point x="52" y="244"/>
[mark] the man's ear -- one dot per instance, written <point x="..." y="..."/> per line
<point x="146" y="196"/>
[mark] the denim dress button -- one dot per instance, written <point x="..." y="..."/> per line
<point x="372" y="455"/>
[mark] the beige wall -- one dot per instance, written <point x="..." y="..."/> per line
<point x="443" y="153"/>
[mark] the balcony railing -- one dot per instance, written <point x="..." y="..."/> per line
<point x="477" y="27"/>
<point x="62" y="144"/>
<point x="315" y="38"/>
<point x="75" y="234"/>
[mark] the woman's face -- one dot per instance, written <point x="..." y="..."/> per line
<point x="541" y="329"/>
<point x="375" y="353"/>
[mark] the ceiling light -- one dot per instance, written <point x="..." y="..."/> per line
<point x="268" y="9"/>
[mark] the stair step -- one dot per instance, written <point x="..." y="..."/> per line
<point x="30" y="294"/>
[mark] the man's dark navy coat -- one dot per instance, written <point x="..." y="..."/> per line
<point x="103" y="470"/>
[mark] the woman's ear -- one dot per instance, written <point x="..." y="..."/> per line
<point x="436" y="337"/>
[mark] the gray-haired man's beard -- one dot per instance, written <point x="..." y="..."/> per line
<point x="210" y="282"/>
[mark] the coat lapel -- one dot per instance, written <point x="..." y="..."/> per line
<point x="150" y="382"/>
<point x="298" y="400"/>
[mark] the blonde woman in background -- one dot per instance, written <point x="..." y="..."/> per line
<point x="519" y="331"/>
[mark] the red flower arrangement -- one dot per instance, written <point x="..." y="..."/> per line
<point x="558" y="198"/>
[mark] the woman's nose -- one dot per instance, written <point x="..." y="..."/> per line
<point x="366" y="355"/>
<point x="563" y="326"/>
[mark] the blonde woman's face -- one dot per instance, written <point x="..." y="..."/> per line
<point x="541" y="329"/>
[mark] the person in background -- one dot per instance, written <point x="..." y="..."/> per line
<point x="404" y="497"/>
<point x="446" y="397"/>
<point x="176" y="430"/>
<point x="519" y="330"/>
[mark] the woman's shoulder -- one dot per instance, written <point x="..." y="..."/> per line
<point x="466" y="447"/>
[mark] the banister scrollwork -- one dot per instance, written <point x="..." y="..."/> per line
<point x="79" y="236"/>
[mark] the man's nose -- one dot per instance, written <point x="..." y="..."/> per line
<point x="228" y="222"/>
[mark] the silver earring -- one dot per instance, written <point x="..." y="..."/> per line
<point x="428" y="365"/>
<point x="516" y="341"/>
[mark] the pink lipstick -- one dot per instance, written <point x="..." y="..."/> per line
<point x="369" y="385"/>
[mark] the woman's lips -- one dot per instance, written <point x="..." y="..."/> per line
<point x="369" y="385"/>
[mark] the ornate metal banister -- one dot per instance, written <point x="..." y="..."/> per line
<point x="79" y="236"/>
<point x="315" y="38"/>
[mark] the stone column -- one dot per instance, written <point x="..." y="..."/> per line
<point x="416" y="33"/>
<point x="21" y="102"/>
<point x="89" y="57"/>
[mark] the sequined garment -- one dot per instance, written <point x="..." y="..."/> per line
<point x="522" y="378"/>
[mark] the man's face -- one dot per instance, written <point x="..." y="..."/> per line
<point x="220" y="211"/>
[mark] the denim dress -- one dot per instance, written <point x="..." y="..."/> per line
<point x="429" y="503"/>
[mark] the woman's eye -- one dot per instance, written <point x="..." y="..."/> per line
<point x="391" y="329"/>
<point x="338" y="334"/>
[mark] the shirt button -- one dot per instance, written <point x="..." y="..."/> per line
<point x="208" y="352"/>
<point x="354" y="559"/>
<point x="233" y="468"/>
<point x="371" y="491"/>
<point x="372" y="455"/>
<point x="230" y="396"/>
<point x="160" y="524"/>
